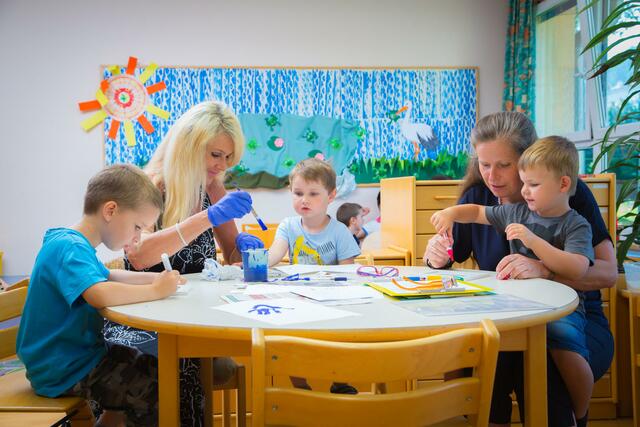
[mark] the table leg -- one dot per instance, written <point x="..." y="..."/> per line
<point x="168" y="381"/>
<point x="206" y="378"/>
<point x="535" y="377"/>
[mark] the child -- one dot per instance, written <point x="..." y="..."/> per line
<point x="314" y="237"/>
<point x="352" y="215"/>
<point x="546" y="228"/>
<point x="60" y="339"/>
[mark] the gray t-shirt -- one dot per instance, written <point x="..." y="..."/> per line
<point x="570" y="232"/>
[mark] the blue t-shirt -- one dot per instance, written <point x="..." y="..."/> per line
<point x="489" y="246"/>
<point x="332" y="245"/>
<point x="60" y="337"/>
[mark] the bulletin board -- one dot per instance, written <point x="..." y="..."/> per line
<point x="372" y="123"/>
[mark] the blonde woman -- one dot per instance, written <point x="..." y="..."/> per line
<point x="189" y="167"/>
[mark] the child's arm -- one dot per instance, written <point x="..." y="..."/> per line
<point x="106" y="294"/>
<point x="277" y="251"/>
<point x="132" y="277"/>
<point x="567" y="264"/>
<point x="444" y="219"/>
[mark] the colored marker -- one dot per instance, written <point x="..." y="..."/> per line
<point x="450" y="252"/>
<point x="165" y="262"/>
<point x="253" y="211"/>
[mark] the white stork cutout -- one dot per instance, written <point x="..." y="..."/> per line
<point x="417" y="133"/>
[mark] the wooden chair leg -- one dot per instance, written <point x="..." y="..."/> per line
<point x="206" y="379"/>
<point x="241" y="397"/>
<point x="226" y="407"/>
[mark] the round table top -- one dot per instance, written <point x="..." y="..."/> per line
<point x="192" y="314"/>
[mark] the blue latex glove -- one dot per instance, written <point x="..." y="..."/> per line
<point x="234" y="205"/>
<point x="246" y="241"/>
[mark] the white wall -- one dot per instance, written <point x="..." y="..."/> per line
<point x="51" y="52"/>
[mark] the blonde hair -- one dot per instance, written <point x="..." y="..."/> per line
<point x="312" y="169"/>
<point x="556" y="154"/>
<point x="126" y="185"/>
<point x="178" y="165"/>
<point x="510" y="127"/>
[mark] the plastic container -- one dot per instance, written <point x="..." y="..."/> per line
<point x="632" y="274"/>
<point x="254" y="264"/>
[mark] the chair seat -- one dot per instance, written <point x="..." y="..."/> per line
<point x="16" y="395"/>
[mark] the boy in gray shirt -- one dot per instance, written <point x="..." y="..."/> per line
<point x="544" y="227"/>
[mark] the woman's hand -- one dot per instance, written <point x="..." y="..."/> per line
<point x="436" y="251"/>
<point x="516" y="266"/>
<point x="234" y="205"/>
<point x="246" y="241"/>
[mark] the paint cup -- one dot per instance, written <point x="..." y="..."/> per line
<point x="632" y="274"/>
<point x="254" y="264"/>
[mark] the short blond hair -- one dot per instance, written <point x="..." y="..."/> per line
<point x="126" y="185"/>
<point x="555" y="153"/>
<point x="178" y="164"/>
<point x="312" y="169"/>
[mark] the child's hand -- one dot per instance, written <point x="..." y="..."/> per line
<point x="520" y="232"/>
<point x="166" y="283"/>
<point x="443" y="222"/>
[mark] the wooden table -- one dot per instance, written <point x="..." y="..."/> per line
<point x="188" y="327"/>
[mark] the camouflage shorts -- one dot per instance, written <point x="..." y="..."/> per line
<point x="125" y="380"/>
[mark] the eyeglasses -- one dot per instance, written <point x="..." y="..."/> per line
<point x="373" y="271"/>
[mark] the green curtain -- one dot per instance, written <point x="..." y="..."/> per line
<point x="519" y="87"/>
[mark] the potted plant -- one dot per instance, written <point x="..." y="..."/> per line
<point x="622" y="149"/>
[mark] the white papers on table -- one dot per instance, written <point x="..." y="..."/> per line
<point x="284" y="311"/>
<point x="333" y="293"/>
<point x="183" y="289"/>
<point x="473" y="304"/>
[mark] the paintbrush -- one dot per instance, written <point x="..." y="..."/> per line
<point x="253" y="211"/>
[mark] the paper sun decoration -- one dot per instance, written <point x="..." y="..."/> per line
<point x="124" y="98"/>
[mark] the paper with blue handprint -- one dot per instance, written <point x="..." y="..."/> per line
<point x="284" y="311"/>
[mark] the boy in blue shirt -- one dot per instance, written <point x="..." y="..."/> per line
<point x="546" y="228"/>
<point x="60" y="339"/>
<point x="314" y="237"/>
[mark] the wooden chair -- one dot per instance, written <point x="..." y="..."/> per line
<point x="16" y="394"/>
<point x="237" y="382"/>
<point x="375" y="362"/>
<point x="634" y="330"/>
<point x="266" y="236"/>
<point x="364" y="258"/>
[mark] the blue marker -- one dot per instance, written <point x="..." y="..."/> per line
<point x="253" y="211"/>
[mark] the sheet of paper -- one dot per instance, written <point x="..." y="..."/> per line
<point x="473" y="304"/>
<point x="183" y="289"/>
<point x="334" y="293"/>
<point x="284" y="311"/>
<point x="270" y="289"/>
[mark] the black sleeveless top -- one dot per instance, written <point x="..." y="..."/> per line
<point x="189" y="259"/>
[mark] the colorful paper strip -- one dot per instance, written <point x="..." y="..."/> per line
<point x="113" y="130"/>
<point x="163" y="114"/>
<point x="92" y="121"/>
<point x="148" y="72"/>
<point x="129" y="133"/>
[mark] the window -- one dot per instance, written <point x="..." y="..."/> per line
<point x="566" y="102"/>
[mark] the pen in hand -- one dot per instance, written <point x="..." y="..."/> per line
<point x="165" y="261"/>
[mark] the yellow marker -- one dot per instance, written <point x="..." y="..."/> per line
<point x="129" y="133"/>
<point x="147" y="72"/>
<point x="102" y="99"/>
<point x="94" y="120"/>
<point x="158" y="111"/>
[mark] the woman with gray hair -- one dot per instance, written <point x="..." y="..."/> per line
<point x="492" y="178"/>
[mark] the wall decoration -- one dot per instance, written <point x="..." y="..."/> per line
<point x="370" y="122"/>
<point x="124" y="98"/>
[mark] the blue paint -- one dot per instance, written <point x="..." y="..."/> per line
<point x="254" y="264"/>
<point x="261" y="224"/>
<point x="264" y="309"/>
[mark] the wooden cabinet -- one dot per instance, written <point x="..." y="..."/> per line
<point x="406" y="208"/>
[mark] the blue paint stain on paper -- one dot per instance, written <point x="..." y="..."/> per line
<point x="264" y="309"/>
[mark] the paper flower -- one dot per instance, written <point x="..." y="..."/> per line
<point x="124" y="98"/>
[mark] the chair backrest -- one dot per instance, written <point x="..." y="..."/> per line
<point x="379" y="362"/>
<point x="365" y="258"/>
<point x="11" y="305"/>
<point x="266" y="236"/>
